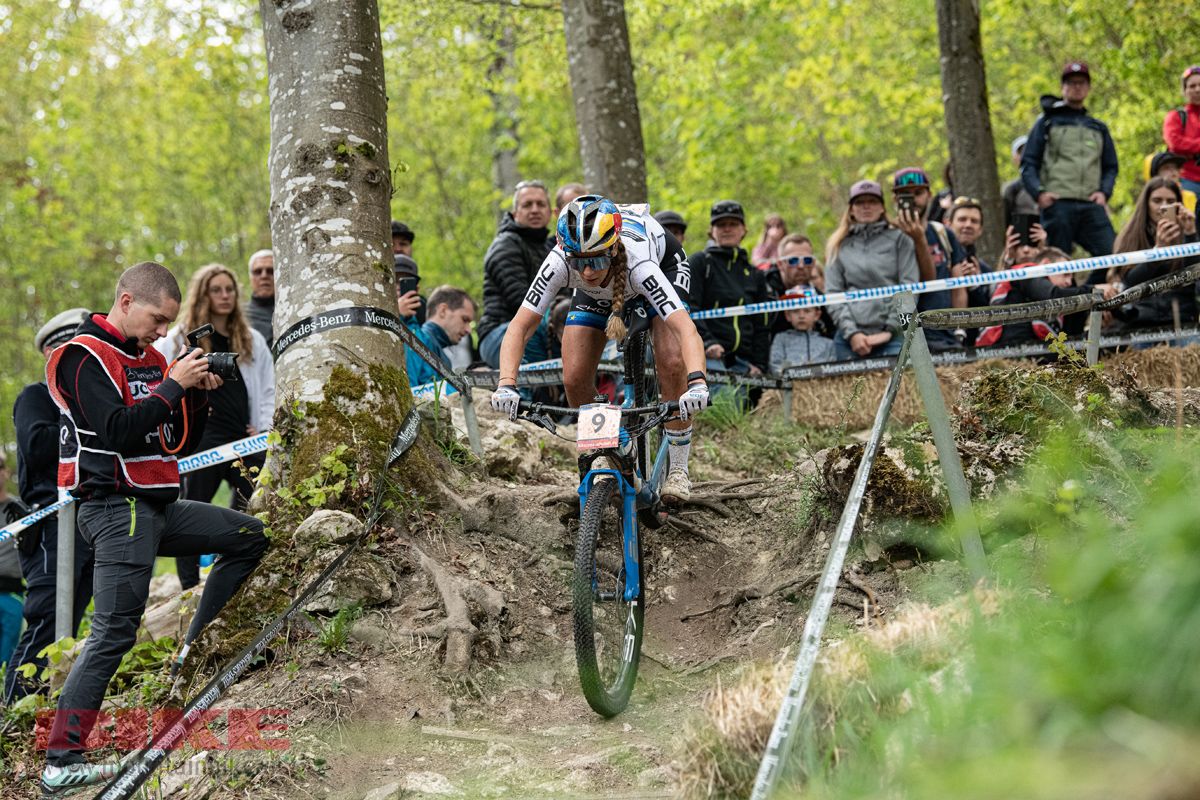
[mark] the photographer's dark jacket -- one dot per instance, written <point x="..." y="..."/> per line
<point x="723" y="277"/>
<point x="1069" y="153"/>
<point x="508" y="268"/>
<point x="35" y="418"/>
<point x="113" y="398"/>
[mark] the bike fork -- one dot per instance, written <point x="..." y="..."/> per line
<point x="629" y="529"/>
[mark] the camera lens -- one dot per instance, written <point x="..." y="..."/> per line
<point x="223" y="364"/>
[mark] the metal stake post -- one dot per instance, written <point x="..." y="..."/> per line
<point x="943" y="437"/>
<point x="780" y="743"/>
<point x="1095" y="319"/>
<point x="472" y="421"/>
<point x="787" y="403"/>
<point x="64" y="591"/>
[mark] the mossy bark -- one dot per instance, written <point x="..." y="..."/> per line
<point x="342" y="392"/>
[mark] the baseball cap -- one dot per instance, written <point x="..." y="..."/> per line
<point x="798" y="291"/>
<point x="60" y="328"/>
<point x="866" y="188"/>
<point x="1160" y="160"/>
<point x="1189" y="72"/>
<point x="672" y="218"/>
<point x="1018" y="143"/>
<point x="405" y="265"/>
<point x="910" y="177"/>
<point x="1076" y="68"/>
<point x="402" y="230"/>
<point x="724" y="209"/>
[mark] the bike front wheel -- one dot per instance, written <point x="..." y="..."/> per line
<point x="608" y="628"/>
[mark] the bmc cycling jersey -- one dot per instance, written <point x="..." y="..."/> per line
<point x="657" y="271"/>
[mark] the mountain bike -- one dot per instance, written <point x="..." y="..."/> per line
<point x="608" y="589"/>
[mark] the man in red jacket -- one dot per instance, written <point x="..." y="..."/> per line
<point x="1181" y="129"/>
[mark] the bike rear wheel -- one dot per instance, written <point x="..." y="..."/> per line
<point x="608" y="628"/>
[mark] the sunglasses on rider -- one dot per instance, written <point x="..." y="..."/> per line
<point x="796" y="261"/>
<point x="598" y="263"/>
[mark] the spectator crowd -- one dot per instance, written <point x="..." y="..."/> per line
<point x="898" y="231"/>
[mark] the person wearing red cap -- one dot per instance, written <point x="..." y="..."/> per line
<point x="1181" y="130"/>
<point x="1070" y="168"/>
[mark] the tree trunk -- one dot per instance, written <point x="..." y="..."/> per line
<point x="503" y="96"/>
<point x="606" y="105"/>
<point x="330" y="191"/>
<point x="968" y="122"/>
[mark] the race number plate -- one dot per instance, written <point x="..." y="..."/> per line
<point x="599" y="427"/>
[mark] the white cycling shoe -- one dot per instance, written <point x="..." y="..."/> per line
<point x="677" y="488"/>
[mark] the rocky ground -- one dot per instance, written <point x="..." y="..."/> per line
<point x="455" y="676"/>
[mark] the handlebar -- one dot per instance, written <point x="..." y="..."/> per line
<point x="543" y="415"/>
<point x="542" y="408"/>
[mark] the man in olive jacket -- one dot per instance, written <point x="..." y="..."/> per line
<point x="1070" y="168"/>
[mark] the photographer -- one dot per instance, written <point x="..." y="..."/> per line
<point x="35" y="418"/>
<point x="240" y="408"/>
<point x="124" y="416"/>
<point x="911" y="191"/>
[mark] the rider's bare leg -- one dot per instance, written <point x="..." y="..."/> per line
<point x="581" y="350"/>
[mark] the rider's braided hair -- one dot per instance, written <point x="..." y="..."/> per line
<point x="620" y="262"/>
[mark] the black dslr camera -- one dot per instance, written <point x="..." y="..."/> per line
<point x="222" y="364"/>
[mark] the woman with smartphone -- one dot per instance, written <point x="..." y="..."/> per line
<point x="1159" y="220"/>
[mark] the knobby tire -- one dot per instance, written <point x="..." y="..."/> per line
<point x="607" y="666"/>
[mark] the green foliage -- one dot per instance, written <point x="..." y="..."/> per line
<point x="141" y="130"/>
<point x="324" y="485"/>
<point x="335" y="634"/>
<point x="1087" y="657"/>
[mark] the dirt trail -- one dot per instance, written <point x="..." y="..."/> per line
<point x="388" y="723"/>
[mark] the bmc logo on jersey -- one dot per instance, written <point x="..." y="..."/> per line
<point x="683" y="273"/>
<point x="539" y="285"/>
<point x="658" y="295"/>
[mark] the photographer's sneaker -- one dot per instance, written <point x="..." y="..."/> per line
<point x="677" y="488"/>
<point x="67" y="780"/>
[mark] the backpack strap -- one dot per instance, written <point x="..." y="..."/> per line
<point x="940" y="230"/>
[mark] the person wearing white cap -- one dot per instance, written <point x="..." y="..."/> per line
<point x="36" y="419"/>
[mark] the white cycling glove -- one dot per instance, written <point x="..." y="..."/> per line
<point x="505" y="400"/>
<point x="693" y="401"/>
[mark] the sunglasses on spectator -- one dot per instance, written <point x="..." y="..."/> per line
<point x="258" y="271"/>
<point x="959" y="202"/>
<point x="598" y="263"/>
<point x="796" y="261"/>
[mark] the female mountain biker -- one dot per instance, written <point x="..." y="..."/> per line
<point x="609" y="255"/>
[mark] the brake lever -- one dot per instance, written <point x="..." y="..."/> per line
<point x="542" y="420"/>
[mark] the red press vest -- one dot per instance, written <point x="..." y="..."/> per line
<point x="80" y="450"/>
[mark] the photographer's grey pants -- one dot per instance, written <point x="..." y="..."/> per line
<point x="127" y="535"/>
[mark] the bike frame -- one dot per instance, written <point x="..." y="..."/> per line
<point x="632" y="499"/>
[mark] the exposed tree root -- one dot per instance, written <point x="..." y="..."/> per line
<point x="679" y="524"/>
<point x="459" y="595"/>
<point x="756" y="591"/>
